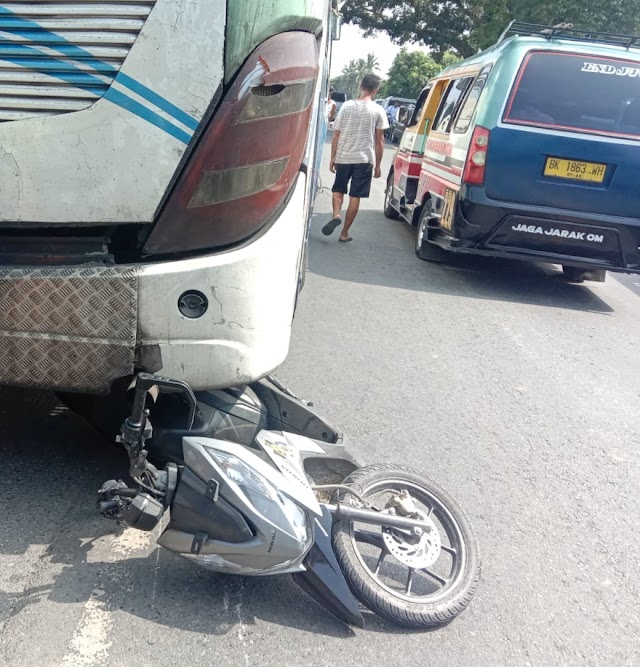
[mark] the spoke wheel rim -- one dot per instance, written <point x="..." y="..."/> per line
<point x="451" y="529"/>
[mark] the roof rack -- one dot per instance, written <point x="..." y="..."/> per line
<point x="567" y="31"/>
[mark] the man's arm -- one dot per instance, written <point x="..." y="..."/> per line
<point x="334" y="150"/>
<point x="379" y="153"/>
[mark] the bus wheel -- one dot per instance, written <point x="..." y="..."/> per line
<point x="425" y="250"/>
<point x="389" y="211"/>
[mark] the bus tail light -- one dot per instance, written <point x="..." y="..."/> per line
<point x="475" y="166"/>
<point x="247" y="159"/>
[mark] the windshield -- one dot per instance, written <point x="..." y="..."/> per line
<point x="339" y="97"/>
<point x="577" y="92"/>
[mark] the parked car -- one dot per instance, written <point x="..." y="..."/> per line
<point x="529" y="150"/>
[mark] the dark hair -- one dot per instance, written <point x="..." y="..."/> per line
<point x="370" y="83"/>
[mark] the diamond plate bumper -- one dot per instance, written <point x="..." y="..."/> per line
<point x="71" y="329"/>
<point x="78" y="329"/>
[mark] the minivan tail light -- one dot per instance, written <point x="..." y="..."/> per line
<point x="247" y="159"/>
<point x="475" y="166"/>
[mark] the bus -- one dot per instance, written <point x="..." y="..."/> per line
<point x="157" y="164"/>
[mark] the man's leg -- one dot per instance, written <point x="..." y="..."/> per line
<point x="343" y="174"/>
<point x="352" y="211"/>
<point x="360" y="187"/>
<point x="338" y="199"/>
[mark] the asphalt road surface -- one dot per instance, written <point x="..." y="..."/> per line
<point x="518" y="392"/>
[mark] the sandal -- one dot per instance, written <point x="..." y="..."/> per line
<point x="330" y="227"/>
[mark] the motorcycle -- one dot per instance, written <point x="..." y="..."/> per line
<point x="256" y="483"/>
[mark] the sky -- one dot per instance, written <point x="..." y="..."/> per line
<point x="353" y="45"/>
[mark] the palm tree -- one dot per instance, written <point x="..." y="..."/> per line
<point x="352" y="75"/>
<point x="354" y="71"/>
<point x="372" y="63"/>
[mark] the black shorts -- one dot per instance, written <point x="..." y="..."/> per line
<point x="360" y="176"/>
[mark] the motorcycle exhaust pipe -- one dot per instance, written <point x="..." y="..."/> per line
<point x="377" y="518"/>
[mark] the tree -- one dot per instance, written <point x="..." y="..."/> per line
<point x="617" y="16"/>
<point x="439" y="24"/>
<point x="411" y="70"/>
<point x="352" y="74"/>
<point x="465" y="26"/>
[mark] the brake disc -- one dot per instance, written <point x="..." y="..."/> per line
<point x="417" y="552"/>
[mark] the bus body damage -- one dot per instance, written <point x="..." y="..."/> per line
<point x="114" y="258"/>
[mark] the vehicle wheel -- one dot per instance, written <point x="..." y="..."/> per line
<point x="389" y="211"/>
<point x="575" y="274"/>
<point x="415" y="581"/>
<point x="425" y="250"/>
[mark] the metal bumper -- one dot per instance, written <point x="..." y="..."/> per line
<point x="71" y="329"/>
<point x="80" y="329"/>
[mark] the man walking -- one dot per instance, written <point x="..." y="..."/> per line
<point x="358" y="144"/>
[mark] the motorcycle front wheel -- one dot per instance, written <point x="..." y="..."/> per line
<point x="417" y="579"/>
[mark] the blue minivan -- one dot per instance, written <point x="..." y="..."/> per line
<point x="530" y="150"/>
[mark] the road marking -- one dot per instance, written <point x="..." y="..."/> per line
<point x="90" y="643"/>
<point x="242" y="628"/>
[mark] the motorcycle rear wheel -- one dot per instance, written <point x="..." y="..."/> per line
<point x="373" y="558"/>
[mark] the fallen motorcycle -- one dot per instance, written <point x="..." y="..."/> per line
<point x="258" y="484"/>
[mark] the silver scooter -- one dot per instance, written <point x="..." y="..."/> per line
<point x="258" y="484"/>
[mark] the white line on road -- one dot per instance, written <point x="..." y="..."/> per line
<point x="90" y="643"/>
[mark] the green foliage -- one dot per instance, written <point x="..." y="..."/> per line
<point x="465" y="26"/>
<point x="352" y="74"/>
<point x="411" y="70"/>
<point x="442" y="25"/>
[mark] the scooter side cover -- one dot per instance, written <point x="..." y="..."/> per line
<point x="288" y="476"/>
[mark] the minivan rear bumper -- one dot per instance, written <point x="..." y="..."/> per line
<point x="487" y="227"/>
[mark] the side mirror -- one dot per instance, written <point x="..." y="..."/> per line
<point x="336" y="26"/>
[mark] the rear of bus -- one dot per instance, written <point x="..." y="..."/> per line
<point x="556" y="157"/>
<point x="155" y="191"/>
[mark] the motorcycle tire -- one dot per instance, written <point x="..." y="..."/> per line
<point x="370" y="590"/>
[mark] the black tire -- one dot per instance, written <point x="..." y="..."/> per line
<point x="389" y="211"/>
<point x="575" y="274"/>
<point x="424" y="249"/>
<point x="367" y="589"/>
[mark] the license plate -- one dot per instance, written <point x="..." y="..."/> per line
<point x="574" y="170"/>
<point x="448" y="210"/>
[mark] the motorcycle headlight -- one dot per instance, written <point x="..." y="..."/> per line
<point x="263" y="495"/>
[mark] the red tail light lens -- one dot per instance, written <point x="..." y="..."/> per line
<point x="474" y="168"/>
<point x="247" y="159"/>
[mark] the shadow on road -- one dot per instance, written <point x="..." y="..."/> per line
<point x="53" y="464"/>
<point x="382" y="253"/>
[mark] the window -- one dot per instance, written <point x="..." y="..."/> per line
<point x="577" y="92"/>
<point x="471" y="102"/>
<point x="449" y="105"/>
<point x="420" y="104"/>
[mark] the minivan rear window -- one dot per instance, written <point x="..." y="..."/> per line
<point x="339" y="97"/>
<point x="577" y="92"/>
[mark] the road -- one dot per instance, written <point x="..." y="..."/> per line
<point x="518" y="392"/>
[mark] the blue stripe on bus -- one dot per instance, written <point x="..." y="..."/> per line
<point x="34" y="32"/>
<point x="88" y="82"/>
<point x="115" y="96"/>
